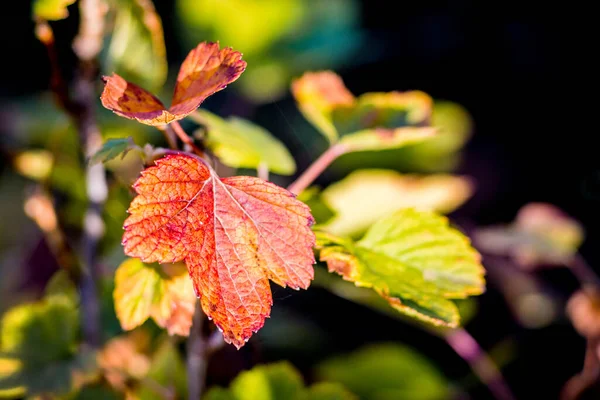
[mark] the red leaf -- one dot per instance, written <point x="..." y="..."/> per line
<point x="234" y="234"/>
<point x="205" y="71"/>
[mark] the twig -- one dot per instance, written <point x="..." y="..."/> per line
<point x="263" y="171"/>
<point x="481" y="364"/>
<point x="178" y="130"/>
<point x="87" y="45"/>
<point x="196" y="356"/>
<point x="317" y="168"/>
<point x="587" y="377"/>
<point x="583" y="272"/>
<point x="169" y="135"/>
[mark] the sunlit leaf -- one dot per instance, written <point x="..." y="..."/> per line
<point x="143" y="291"/>
<point x="34" y="164"/>
<point x="414" y="260"/>
<point x="386" y="372"/>
<point x="113" y="148"/>
<point x="280" y="381"/>
<point x="541" y="234"/>
<point x="51" y="10"/>
<point x="368" y="195"/>
<point x="38" y="350"/>
<point x="137" y="47"/>
<point x="373" y="121"/>
<point x="234" y="234"/>
<point x="242" y="144"/>
<point x="205" y="71"/>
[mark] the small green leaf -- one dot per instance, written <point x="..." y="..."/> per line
<point x="51" y="10"/>
<point x="61" y="284"/>
<point x="279" y="381"/>
<point x="38" y="347"/>
<point x="161" y="292"/>
<point x="242" y="144"/>
<point x="112" y="148"/>
<point x="373" y="121"/>
<point x="365" y="196"/>
<point x="328" y="391"/>
<point x="137" y="48"/>
<point x="319" y="209"/>
<point x="414" y="260"/>
<point x="386" y="372"/>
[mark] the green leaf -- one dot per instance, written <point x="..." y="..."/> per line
<point x="242" y="144"/>
<point x="38" y="352"/>
<point x="143" y="291"/>
<point x="414" y="260"/>
<point x="168" y="370"/>
<point x="386" y="372"/>
<point x="51" y="10"/>
<point x="137" y="48"/>
<point x="279" y="381"/>
<point x="373" y="121"/>
<point x="319" y="209"/>
<point x="365" y="196"/>
<point x="61" y="284"/>
<point x="328" y="391"/>
<point x="112" y="148"/>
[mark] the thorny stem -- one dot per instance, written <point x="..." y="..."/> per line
<point x="178" y="130"/>
<point x="481" y="364"/>
<point x="87" y="46"/>
<point x="196" y="356"/>
<point x="317" y="168"/>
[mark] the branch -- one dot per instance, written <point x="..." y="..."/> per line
<point x="178" y="130"/>
<point x="481" y="364"/>
<point x="87" y="45"/>
<point x="575" y="386"/>
<point x="317" y="168"/>
<point x="196" y="356"/>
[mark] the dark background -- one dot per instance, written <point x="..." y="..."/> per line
<point x="506" y="64"/>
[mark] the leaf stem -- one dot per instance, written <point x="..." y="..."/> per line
<point x="481" y="364"/>
<point x="185" y="138"/>
<point x="262" y="171"/>
<point x="196" y="356"/>
<point x="317" y="168"/>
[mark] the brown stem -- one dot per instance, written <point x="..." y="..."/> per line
<point x="196" y="356"/>
<point x="170" y="137"/>
<point x="481" y="364"/>
<point x="87" y="46"/>
<point x="583" y="272"/>
<point x="317" y="168"/>
<point x="178" y="130"/>
<point x="590" y="374"/>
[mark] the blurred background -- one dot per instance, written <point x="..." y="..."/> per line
<point x="502" y="69"/>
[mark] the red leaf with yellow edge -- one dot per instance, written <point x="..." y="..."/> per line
<point x="234" y="234"/>
<point x="206" y="70"/>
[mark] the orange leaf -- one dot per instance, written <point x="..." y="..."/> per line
<point x="205" y="71"/>
<point x="234" y="234"/>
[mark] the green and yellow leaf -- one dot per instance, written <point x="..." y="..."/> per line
<point x="414" y="260"/>
<point x="386" y="371"/>
<point x="137" y="48"/>
<point x="365" y="196"/>
<point x="241" y="144"/>
<point x="51" y="10"/>
<point x="161" y="292"/>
